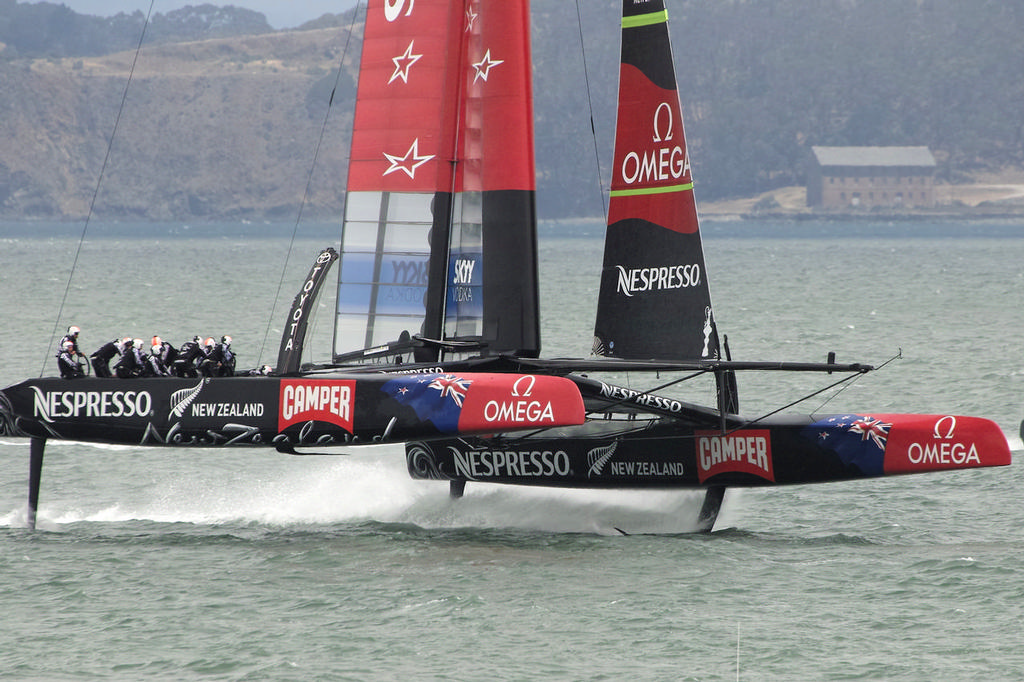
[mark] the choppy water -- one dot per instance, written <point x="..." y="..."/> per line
<point x="244" y="565"/>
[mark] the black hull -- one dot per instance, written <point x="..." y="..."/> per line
<point x="685" y="446"/>
<point x="670" y="453"/>
<point x="284" y="412"/>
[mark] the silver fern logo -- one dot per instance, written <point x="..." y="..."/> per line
<point x="598" y="457"/>
<point x="180" y="400"/>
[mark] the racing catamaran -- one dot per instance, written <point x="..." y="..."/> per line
<point x="437" y="335"/>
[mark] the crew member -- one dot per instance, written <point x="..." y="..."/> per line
<point x="219" y="360"/>
<point x="72" y="336"/>
<point x="168" y="353"/>
<point x="128" y="366"/>
<point x="185" y="364"/>
<point x="100" y="360"/>
<point x="67" y="361"/>
<point x="154" y="365"/>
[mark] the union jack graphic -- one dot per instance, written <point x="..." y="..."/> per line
<point x="451" y="386"/>
<point x="437" y="398"/>
<point x="857" y="439"/>
<point x="872" y="429"/>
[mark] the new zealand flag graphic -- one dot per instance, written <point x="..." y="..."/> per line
<point x="436" y="398"/>
<point x="858" y="440"/>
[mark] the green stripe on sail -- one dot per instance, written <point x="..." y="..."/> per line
<point x="645" y="19"/>
<point x="651" y="190"/>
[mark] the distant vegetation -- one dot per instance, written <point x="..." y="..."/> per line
<point x="760" y="81"/>
<point x="53" y="30"/>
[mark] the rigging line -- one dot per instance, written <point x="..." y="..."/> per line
<point x="848" y="379"/>
<point x="99" y="182"/>
<point x="898" y="356"/>
<point x="309" y="180"/>
<point x="649" y="392"/>
<point x="590" y="104"/>
<point x="738" y="427"/>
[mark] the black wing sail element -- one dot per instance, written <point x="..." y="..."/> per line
<point x="654" y="301"/>
<point x="289" y="355"/>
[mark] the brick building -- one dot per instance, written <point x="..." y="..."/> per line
<point x="866" y="177"/>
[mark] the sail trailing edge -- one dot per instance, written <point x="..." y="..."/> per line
<point x="654" y="300"/>
<point x="439" y="239"/>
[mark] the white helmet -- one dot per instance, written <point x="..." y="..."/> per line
<point x="138" y="343"/>
<point x="74" y="331"/>
<point x="67" y="345"/>
<point x="209" y="343"/>
<point x="127" y="340"/>
<point x="156" y="349"/>
<point x="226" y="340"/>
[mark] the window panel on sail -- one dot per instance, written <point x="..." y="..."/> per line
<point x="362" y="206"/>
<point x="410" y="208"/>
<point x="405" y="238"/>
<point x="350" y="330"/>
<point x="355" y="299"/>
<point x="357" y="268"/>
<point x="360" y="236"/>
<point x="388" y="328"/>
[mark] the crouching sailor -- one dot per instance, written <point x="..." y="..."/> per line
<point x="184" y="364"/>
<point x="100" y="360"/>
<point x="155" y="366"/>
<point x="129" y="365"/>
<point x="68" y="361"/>
<point x="219" y="360"/>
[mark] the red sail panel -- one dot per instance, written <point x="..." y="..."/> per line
<point x="497" y="122"/>
<point x="401" y="141"/>
<point x="651" y="174"/>
<point x="417" y="68"/>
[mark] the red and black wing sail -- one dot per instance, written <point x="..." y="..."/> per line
<point x="440" y="221"/>
<point x="654" y="299"/>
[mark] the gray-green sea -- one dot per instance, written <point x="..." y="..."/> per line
<point x="176" y="564"/>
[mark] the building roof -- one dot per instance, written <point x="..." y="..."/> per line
<point x="874" y="156"/>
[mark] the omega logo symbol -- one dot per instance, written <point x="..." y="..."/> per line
<point x="657" y="119"/>
<point x="517" y="390"/>
<point x="939" y="428"/>
<point x="392" y="8"/>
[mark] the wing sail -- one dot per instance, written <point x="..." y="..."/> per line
<point x="654" y="300"/>
<point x="439" y="239"/>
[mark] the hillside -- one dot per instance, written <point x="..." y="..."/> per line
<point x="223" y="115"/>
<point x="215" y="129"/>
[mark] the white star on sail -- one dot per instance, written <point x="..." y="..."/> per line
<point x="470" y="19"/>
<point x="403" y="63"/>
<point x="408" y="163"/>
<point x="483" y="67"/>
